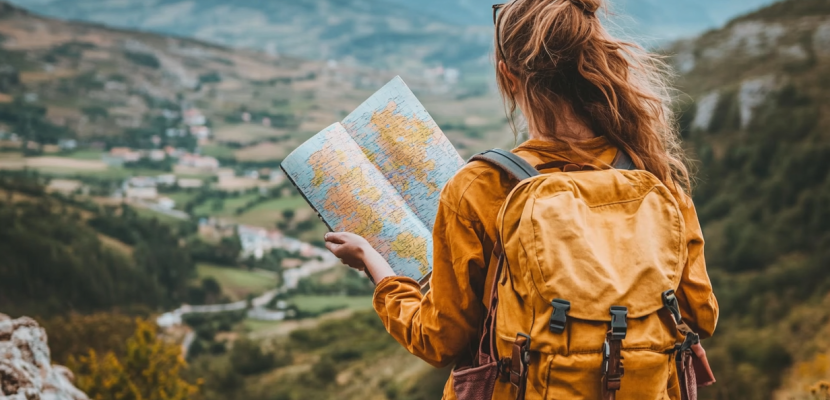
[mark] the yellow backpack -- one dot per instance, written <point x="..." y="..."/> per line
<point x="589" y="258"/>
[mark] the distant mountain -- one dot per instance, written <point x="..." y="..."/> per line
<point x="370" y="32"/>
<point x="662" y="20"/>
<point x="398" y="34"/>
<point x="658" y="19"/>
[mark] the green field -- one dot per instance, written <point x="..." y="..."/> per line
<point x="217" y="151"/>
<point x="109" y="173"/>
<point x="163" y="218"/>
<point x="181" y="198"/>
<point x="254" y="326"/>
<point x="229" y="206"/>
<point x="237" y="283"/>
<point x="86" y="154"/>
<point x="269" y="213"/>
<point x="321" y="303"/>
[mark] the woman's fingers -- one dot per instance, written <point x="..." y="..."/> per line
<point x="336" y="237"/>
<point x="333" y="247"/>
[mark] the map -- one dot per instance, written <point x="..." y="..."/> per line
<point x="379" y="174"/>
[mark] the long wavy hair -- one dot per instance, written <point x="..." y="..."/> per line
<point x="563" y="57"/>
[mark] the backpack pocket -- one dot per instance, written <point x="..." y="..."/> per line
<point x="475" y="383"/>
<point x="578" y="376"/>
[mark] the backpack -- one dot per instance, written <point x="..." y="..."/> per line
<point x="583" y="303"/>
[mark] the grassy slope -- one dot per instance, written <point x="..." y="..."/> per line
<point x="237" y="283"/>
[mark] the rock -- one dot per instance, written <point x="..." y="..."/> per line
<point x="26" y="370"/>
<point x="753" y="93"/>
<point x="821" y="39"/>
<point x="752" y="38"/>
<point x="705" y="110"/>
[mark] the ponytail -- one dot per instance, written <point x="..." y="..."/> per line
<point x="563" y="57"/>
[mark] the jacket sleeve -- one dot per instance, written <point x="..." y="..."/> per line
<point x="442" y="325"/>
<point x="698" y="304"/>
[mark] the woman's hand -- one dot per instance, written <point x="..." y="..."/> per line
<point x="349" y="248"/>
<point x="354" y="251"/>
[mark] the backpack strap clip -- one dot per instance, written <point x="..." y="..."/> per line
<point x="692" y="366"/>
<point x="670" y="302"/>
<point x="519" y="361"/>
<point x="612" y="361"/>
<point x="619" y="326"/>
<point x="559" y="316"/>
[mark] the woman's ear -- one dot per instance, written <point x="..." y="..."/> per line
<point x="504" y="71"/>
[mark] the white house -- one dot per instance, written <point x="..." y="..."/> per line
<point x="190" y="183"/>
<point x="157" y="155"/>
<point x="167" y="203"/>
<point x="142" y="193"/>
<point x="166" y="179"/>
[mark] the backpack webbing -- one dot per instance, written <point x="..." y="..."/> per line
<point x="520" y="169"/>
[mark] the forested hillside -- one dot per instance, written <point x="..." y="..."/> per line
<point x="61" y="256"/>
<point x="757" y="120"/>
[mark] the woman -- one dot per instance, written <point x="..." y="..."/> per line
<point x="585" y="96"/>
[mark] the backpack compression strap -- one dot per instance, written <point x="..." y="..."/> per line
<point x="520" y="169"/>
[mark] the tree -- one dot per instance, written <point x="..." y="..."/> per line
<point x="149" y="370"/>
<point x="288" y="215"/>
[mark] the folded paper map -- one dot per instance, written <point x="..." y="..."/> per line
<point x="379" y="174"/>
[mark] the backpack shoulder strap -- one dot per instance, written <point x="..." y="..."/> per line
<point x="514" y="165"/>
<point x="623" y="161"/>
<point x="520" y="169"/>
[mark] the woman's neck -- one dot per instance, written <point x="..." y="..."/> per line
<point x="569" y="128"/>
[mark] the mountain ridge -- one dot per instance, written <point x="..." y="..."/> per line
<point x="388" y="34"/>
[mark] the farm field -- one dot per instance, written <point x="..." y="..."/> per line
<point x="50" y="163"/>
<point x="229" y="205"/>
<point x="86" y="155"/>
<point x="267" y="214"/>
<point x="316" y="304"/>
<point x="238" y="283"/>
<point x="245" y="133"/>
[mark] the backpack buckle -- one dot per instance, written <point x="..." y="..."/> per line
<point x="670" y="302"/>
<point x="559" y="316"/>
<point x="619" y="326"/>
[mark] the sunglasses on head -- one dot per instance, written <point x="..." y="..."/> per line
<point x="497" y="8"/>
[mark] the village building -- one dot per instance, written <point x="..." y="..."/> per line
<point x="256" y="241"/>
<point x="117" y="156"/>
<point x="166" y="179"/>
<point x="199" y="162"/>
<point x="166" y="203"/>
<point x="141" y="182"/>
<point x="157" y="155"/>
<point x="190" y="183"/>
<point x="68" y="144"/>
<point x="193" y="117"/>
<point x="141" y="193"/>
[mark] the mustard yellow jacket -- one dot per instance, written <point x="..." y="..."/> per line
<point x="443" y="326"/>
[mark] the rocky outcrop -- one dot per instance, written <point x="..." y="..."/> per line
<point x="26" y="371"/>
